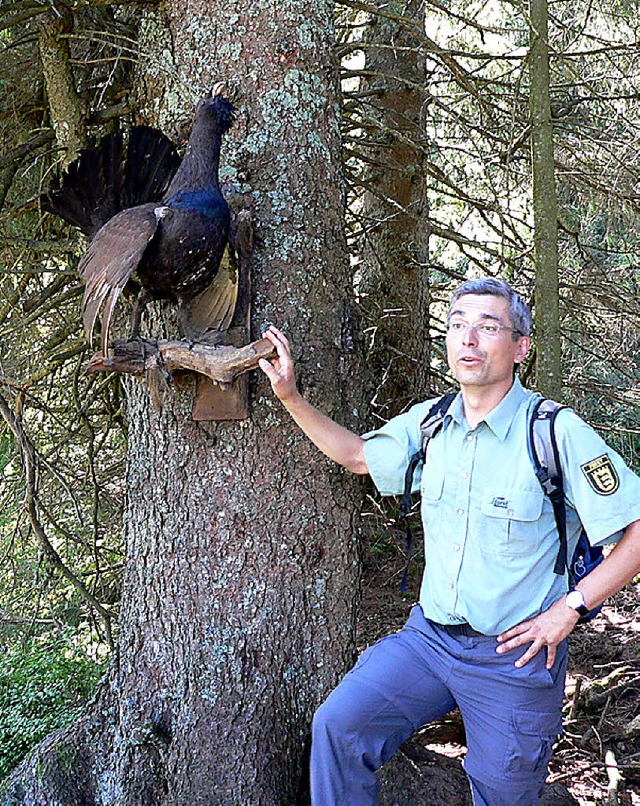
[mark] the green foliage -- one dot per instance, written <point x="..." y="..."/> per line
<point x="42" y="687"/>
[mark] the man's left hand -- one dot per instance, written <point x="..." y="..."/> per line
<point x="548" y="629"/>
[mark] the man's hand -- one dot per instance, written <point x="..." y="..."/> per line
<point x="548" y="629"/>
<point x="280" y="372"/>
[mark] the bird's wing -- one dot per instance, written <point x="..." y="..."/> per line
<point x="109" y="262"/>
<point x="212" y="310"/>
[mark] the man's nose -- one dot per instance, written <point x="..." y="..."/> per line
<point x="470" y="335"/>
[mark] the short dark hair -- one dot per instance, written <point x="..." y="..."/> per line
<point x="519" y="312"/>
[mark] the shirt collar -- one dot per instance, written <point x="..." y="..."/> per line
<point x="499" y="419"/>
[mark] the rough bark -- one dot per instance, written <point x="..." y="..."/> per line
<point x="240" y="585"/>
<point x="395" y="268"/>
<point x="68" y="113"/>
<point x="545" y="209"/>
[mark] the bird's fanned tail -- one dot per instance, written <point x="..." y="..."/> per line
<point x="152" y="161"/>
<point x="100" y="184"/>
<point x="89" y="194"/>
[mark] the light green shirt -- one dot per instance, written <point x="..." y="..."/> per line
<point x="490" y="535"/>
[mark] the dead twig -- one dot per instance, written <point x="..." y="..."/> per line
<point x="615" y="779"/>
<point x="29" y="458"/>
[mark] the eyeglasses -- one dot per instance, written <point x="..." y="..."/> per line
<point x="490" y="329"/>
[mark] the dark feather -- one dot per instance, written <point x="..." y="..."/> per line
<point x="90" y="191"/>
<point x="100" y="184"/>
<point x="152" y="161"/>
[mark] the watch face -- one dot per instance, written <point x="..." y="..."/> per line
<point x="575" y="599"/>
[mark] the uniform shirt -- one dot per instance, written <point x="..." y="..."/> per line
<point x="490" y="535"/>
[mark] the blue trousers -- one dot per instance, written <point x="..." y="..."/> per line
<point x="512" y="716"/>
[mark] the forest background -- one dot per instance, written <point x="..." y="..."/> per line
<point x="476" y="138"/>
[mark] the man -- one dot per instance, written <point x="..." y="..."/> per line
<point x="489" y="589"/>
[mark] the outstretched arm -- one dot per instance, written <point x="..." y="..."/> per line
<point x="336" y="442"/>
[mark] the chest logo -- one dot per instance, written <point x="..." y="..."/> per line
<point x="601" y="475"/>
<point x="502" y="503"/>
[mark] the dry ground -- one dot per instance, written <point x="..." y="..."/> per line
<point x="602" y="707"/>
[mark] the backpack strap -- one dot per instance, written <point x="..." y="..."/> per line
<point x="429" y="427"/>
<point x="543" y="452"/>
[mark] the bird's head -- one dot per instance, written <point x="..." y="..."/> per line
<point x="218" y="108"/>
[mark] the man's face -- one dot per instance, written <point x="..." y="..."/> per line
<point x="483" y="359"/>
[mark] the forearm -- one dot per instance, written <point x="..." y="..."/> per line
<point x="615" y="571"/>
<point x="555" y="623"/>
<point x="336" y="442"/>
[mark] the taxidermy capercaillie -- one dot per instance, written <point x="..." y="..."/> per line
<point x="158" y="226"/>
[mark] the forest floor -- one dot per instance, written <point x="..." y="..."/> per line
<point x="602" y="703"/>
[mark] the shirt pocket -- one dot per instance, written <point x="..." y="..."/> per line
<point x="511" y="521"/>
<point x="432" y="482"/>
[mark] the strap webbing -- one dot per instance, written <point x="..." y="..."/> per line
<point x="543" y="451"/>
<point x="429" y="427"/>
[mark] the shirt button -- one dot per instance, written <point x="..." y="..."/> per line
<point x="464" y="475"/>
<point x="511" y="513"/>
<point x="461" y="512"/>
<point x="450" y="586"/>
<point x="456" y="547"/>
<point x="469" y="437"/>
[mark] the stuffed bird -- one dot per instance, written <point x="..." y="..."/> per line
<point x="158" y="225"/>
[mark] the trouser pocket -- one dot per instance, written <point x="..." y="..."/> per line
<point x="532" y="739"/>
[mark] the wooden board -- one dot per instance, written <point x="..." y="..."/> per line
<point x="213" y="403"/>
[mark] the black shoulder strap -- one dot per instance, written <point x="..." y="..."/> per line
<point x="543" y="452"/>
<point x="429" y="427"/>
<point x="432" y="423"/>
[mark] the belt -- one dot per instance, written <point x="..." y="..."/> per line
<point x="462" y="629"/>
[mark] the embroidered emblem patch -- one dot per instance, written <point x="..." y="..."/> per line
<point x="601" y="475"/>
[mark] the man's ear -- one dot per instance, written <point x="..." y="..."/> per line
<point x="524" y="344"/>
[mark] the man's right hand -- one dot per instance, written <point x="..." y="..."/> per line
<point x="280" y="371"/>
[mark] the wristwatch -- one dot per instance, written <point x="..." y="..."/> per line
<point x="575" y="600"/>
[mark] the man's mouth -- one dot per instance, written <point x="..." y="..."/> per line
<point x="468" y="360"/>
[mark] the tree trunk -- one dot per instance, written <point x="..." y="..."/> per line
<point x="545" y="209"/>
<point x="395" y="256"/>
<point x="240" y="586"/>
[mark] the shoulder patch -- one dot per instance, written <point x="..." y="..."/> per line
<point x="601" y="475"/>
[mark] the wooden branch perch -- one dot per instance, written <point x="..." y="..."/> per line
<point x="222" y="363"/>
